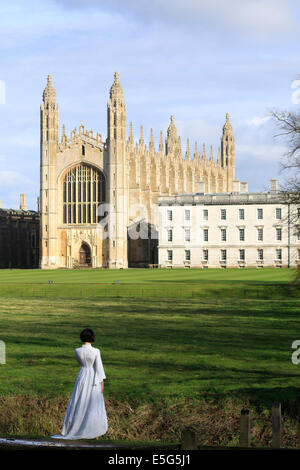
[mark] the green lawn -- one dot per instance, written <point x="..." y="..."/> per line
<point x="187" y="343"/>
<point x="134" y="276"/>
<point x="164" y="335"/>
<point x="144" y="283"/>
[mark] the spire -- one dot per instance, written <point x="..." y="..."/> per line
<point x="63" y="134"/>
<point x="211" y="157"/>
<point x="187" y="153"/>
<point x="116" y="90"/>
<point x="116" y="122"/>
<point x="151" y="142"/>
<point x="228" y="152"/>
<point x="196" y="151"/>
<point x="161" y="142"/>
<point x="49" y="93"/>
<point x="172" y="131"/>
<point x="227" y="126"/>
<point x="49" y="115"/>
<point x="130" y="138"/>
<point x="179" y="145"/>
<point x="219" y="162"/>
<point x="172" y="139"/>
<point x="203" y="152"/>
<point x="141" y="137"/>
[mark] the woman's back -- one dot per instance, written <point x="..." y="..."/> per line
<point x="86" y="355"/>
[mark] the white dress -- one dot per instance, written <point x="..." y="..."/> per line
<point x="85" y="417"/>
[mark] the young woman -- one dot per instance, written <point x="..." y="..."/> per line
<point x="85" y="417"/>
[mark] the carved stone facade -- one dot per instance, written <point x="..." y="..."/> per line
<point x="93" y="192"/>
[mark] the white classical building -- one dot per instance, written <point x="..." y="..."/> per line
<point x="234" y="229"/>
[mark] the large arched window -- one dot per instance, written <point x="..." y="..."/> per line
<point x="83" y="191"/>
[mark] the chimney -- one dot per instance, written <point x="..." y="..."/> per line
<point x="23" y="202"/>
<point x="273" y="185"/>
<point x="244" y="187"/>
<point x="38" y="204"/>
<point x="201" y="187"/>
<point x="235" y="186"/>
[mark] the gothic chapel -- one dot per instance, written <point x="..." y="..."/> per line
<point x="94" y="193"/>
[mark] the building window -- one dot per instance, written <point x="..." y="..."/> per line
<point x="260" y="234"/>
<point x="83" y="191"/>
<point x="242" y="255"/>
<point x="260" y="254"/>
<point x="298" y="212"/>
<point x="170" y="255"/>
<point x="223" y="234"/>
<point x="83" y="150"/>
<point x="205" y="234"/>
<point x="242" y="234"/>
<point x="170" y="235"/>
<point x="278" y="212"/>
<point x="223" y="255"/>
<point x="242" y="214"/>
<point x="260" y="213"/>
<point x="169" y="215"/>
<point x="223" y="214"/>
<point x="278" y="234"/>
<point x="298" y="254"/>
<point x="187" y="214"/>
<point x="187" y="235"/>
<point x="187" y="255"/>
<point x="298" y="234"/>
<point x="205" y="214"/>
<point x="279" y="254"/>
<point x="205" y="255"/>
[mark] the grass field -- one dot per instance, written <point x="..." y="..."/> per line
<point x="177" y="346"/>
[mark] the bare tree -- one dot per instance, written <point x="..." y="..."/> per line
<point x="289" y="124"/>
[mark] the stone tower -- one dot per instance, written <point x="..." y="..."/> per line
<point x="228" y="152"/>
<point x="49" y="148"/>
<point x="117" y="175"/>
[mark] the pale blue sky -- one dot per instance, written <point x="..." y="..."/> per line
<point x="194" y="59"/>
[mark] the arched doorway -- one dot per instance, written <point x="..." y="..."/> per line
<point x="85" y="255"/>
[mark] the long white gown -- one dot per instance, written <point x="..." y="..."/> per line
<point x="85" y="417"/>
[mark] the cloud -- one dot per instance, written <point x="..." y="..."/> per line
<point x="258" y="120"/>
<point x="256" y="18"/>
<point x="13" y="179"/>
<point x="265" y="153"/>
<point x="12" y="184"/>
<point x="23" y="140"/>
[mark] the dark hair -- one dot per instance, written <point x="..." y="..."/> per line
<point x="87" y="336"/>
